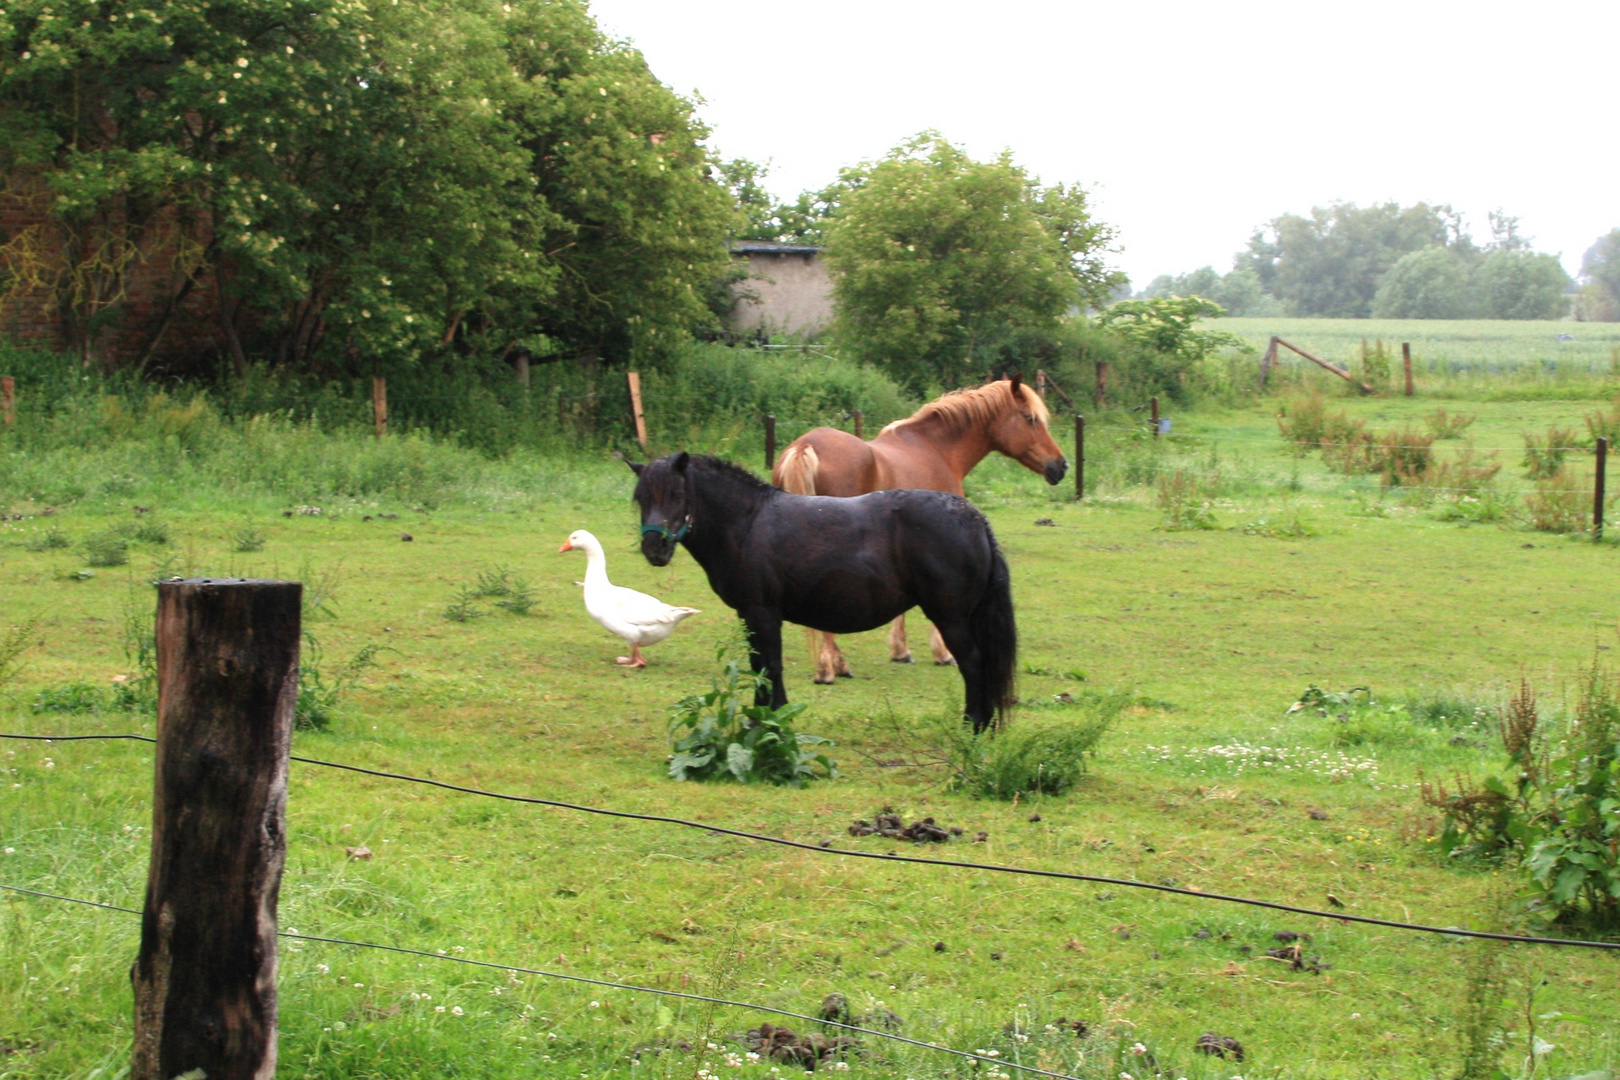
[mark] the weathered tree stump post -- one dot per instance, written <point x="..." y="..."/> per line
<point x="1102" y="383"/>
<point x="205" y="976"/>
<point x="379" y="405"/>
<point x="1406" y="365"/>
<point x="1153" y="404"/>
<point x="637" y="413"/>
<point x="1601" y="467"/>
<point x="770" y="442"/>
<point x="859" y="417"/>
<point x="1079" y="456"/>
<point x="8" y="400"/>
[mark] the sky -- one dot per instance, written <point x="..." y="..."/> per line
<point x="1191" y="124"/>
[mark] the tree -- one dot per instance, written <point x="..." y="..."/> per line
<point x="1600" y="275"/>
<point x="1330" y="263"/>
<point x="939" y="260"/>
<point x="358" y="182"/>
<point x="1428" y="284"/>
<point x="1516" y="283"/>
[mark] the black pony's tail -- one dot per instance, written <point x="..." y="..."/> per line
<point x="996" y="634"/>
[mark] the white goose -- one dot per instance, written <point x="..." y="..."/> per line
<point x="638" y="618"/>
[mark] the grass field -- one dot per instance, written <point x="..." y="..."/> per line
<point x="1310" y="577"/>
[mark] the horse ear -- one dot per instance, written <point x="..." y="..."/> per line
<point x="682" y="460"/>
<point x="635" y="466"/>
<point x="1017" y="380"/>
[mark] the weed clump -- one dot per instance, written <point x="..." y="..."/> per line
<point x="1030" y="758"/>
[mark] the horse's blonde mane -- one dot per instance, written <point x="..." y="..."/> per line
<point x="962" y="409"/>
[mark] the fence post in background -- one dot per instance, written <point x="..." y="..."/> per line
<point x="205" y="976"/>
<point x="379" y="405"/>
<point x="1040" y="383"/>
<point x="8" y="400"/>
<point x="1102" y="382"/>
<point x="1406" y="363"/>
<point x="1153" y="403"/>
<point x="770" y="442"/>
<point x="1597" y="488"/>
<point x="1079" y="456"/>
<point x="1268" y="361"/>
<point x="859" y="434"/>
<point x="635" y="407"/>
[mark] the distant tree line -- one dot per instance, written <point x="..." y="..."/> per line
<point x="1389" y="261"/>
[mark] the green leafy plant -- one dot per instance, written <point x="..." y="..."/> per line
<point x="716" y="736"/>
<point x="462" y="607"/>
<point x="1290" y="527"/>
<point x="1555" y="812"/>
<point x="1444" y="425"/>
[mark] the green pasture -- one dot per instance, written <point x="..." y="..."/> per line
<point x="1461" y="357"/>
<point x="1308" y="577"/>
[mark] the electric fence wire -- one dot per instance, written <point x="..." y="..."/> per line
<point x="631" y="987"/>
<point x="1062" y="875"/>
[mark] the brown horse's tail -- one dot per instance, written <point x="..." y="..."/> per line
<point x="795" y="471"/>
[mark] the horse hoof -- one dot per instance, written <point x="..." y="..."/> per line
<point x="819" y="681"/>
<point x="901" y="660"/>
<point x="945" y="663"/>
<point x="846" y="674"/>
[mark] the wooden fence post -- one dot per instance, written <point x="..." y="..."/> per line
<point x="205" y="976"/>
<point x="1153" y="403"/>
<point x="856" y="413"/>
<point x="379" y="405"/>
<point x="1268" y="361"/>
<point x="8" y="400"/>
<point x="1406" y="363"/>
<point x="770" y="442"/>
<point x="635" y="408"/>
<point x="1597" y="488"/>
<point x="1102" y="382"/>
<point x="1079" y="456"/>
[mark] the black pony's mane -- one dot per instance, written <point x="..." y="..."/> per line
<point x="731" y="471"/>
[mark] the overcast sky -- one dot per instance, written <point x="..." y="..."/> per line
<point x="1191" y="123"/>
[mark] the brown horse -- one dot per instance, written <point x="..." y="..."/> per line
<point x="933" y="448"/>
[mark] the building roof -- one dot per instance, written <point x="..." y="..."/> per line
<point x="771" y="247"/>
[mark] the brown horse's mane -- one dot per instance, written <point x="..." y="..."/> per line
<point x="977" y="405"/>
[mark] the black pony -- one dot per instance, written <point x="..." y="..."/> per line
<point x="838" y="564"/>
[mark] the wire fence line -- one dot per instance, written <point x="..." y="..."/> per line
<point x="819" y="849"/>
<point x="631" y="987"/>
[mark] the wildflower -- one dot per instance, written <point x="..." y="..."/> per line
<point x="455" y="1011"/>
<point x="438" y="1008"/>
<point x="323" y="969"/>
<point x="596" y="1004"/>
<point x="1138" y="1049"/>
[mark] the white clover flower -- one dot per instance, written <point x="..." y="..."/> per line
<point x="1138" y="1049"/>
<point x="456" y="1011"/>
<point x="438" y="1008"/>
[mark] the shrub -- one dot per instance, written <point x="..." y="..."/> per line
<point x="1444" y="425"/>
<point x="52" y="539"/>
<point x="1544" y="454"/>
<point x="715" y="736"/>
<point x="1561" y="503"/>
<point x="1185" y="499"/>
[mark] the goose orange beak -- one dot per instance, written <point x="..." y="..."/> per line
<point x="567" y="546"/>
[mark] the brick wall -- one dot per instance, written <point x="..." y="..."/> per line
<point x="33" y="314"/>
